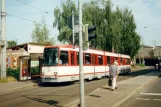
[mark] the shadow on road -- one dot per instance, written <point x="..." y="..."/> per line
<point x="50" y="102"/>
<point x="55" y="84"/>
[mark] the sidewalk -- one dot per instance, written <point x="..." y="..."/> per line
<point x="12" y="86"/>
<point x="104" y="97"/>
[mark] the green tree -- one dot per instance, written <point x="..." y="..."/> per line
<point x="41" y="34"/>
<point x="93" y="15"/>
<point x="130" y="40"/>
<point x="116" y="28"/>
<point x="62" y="16"/>
<point x="11" y="43"/>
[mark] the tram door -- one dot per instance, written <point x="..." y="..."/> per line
<point x="25" y="73"/>
<point x="72" y="58"/>
<point x="94" y="57"/>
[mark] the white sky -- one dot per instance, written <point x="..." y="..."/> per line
<point x="146" y="13"/>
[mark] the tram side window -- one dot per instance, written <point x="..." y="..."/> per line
<point x="128" y="61"/>
<point x="116" y="59"/>
<point x="87" y="58"/>
<point x="100" y="60"/>
<point x="63" y="58"/>
<point x="108" y="60"/>
<point x="77" y="58"/>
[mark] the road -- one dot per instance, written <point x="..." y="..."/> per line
<point x="150" y="96"/>
<point x="55" y="95"/>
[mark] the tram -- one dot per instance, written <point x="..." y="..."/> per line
<point x="61" y="63"/>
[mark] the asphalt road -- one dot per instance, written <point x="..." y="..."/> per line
<point x="150" y="96"/>
<point x="55" y="95"/>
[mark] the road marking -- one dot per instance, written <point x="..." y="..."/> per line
<point x="142" y="99"/>
<point x="151" y="94"/>
<point x="157" y="99"/>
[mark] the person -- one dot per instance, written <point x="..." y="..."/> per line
<point x="113" y="74"/>
<point x="60" y="62"/>
<point x="87" y="62"/>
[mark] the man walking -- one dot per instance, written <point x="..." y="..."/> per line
<point x="113" y="74"/>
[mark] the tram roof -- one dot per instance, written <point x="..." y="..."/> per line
<point x="90" y="49"/>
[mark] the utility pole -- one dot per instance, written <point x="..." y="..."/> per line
<point x="139" y="58"/>
<point x="142" y="50"/>
<point x="73" y="27"/>
<point x="3" y="39"/>
<point x="154" y="46"/>
<point x="81" y="73"/>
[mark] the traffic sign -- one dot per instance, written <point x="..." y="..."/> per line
<point x="76" y="21"/>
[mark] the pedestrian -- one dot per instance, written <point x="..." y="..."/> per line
<point x="113" y="74"/>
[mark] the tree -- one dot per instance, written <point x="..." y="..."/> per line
<point x="11" y="43"/>
<point x="40" y="34"/>
<point x="116" y="28"/>
<point x="130" y="39"/>
<point x="62" y="16"/>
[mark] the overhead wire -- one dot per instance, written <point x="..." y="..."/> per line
<point x="31" y="6"/>
<point x="19" y="17"/>
<point x="26" y="19"/>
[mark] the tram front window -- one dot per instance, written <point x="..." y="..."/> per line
<point x="51" y="56"/>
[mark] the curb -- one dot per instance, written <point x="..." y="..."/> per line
<point x="76" y="102"/>
<point x="17" y="88"/>
<point x="136" y="90"/>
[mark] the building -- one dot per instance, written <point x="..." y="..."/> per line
<point x="148" y="54"/>
<point x="28" y="49"/>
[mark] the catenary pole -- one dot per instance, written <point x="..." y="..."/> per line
<point x="81" y="73"/>
<point x="3" y="39"/>
<point x="73" y="26"/>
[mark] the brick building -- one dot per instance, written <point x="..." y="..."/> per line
<point x="148" y="54"/>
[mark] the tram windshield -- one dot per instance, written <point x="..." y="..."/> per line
<point x="50" y="56"/>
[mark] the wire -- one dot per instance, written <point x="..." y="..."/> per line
<point x="20" y="17"/>
<point x="26" y="19"/>
<point x="27" y="13"/>
<point x="31" y="6"/>
<point x="30" y="13"/>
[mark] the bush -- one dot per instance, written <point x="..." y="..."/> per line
<point x="34" y="71"/>
<point x="142" y="65"/>
<point x="13" y="72"/>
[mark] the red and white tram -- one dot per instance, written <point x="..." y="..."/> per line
<point x="61" y="63"/>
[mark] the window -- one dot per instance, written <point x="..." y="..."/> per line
<point x="64" y="58"/>
<point x="128" y="61"/>
<point x="87" y="58"/>
<point x="100" y="60"/>
<point x="51" y="56"/>
<point x="116" y="59"/>
<point x="77" y="58"/>
<point x="108" y="60"/>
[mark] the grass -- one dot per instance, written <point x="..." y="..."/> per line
<point x="8" y="79"/>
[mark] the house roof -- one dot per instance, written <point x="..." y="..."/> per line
<point x="145" y="46"/>
<point x="24" y="45"/>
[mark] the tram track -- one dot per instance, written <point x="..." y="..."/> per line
<point x="57" y="95"/>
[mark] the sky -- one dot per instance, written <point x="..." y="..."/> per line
<point x="19" y="21"/>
